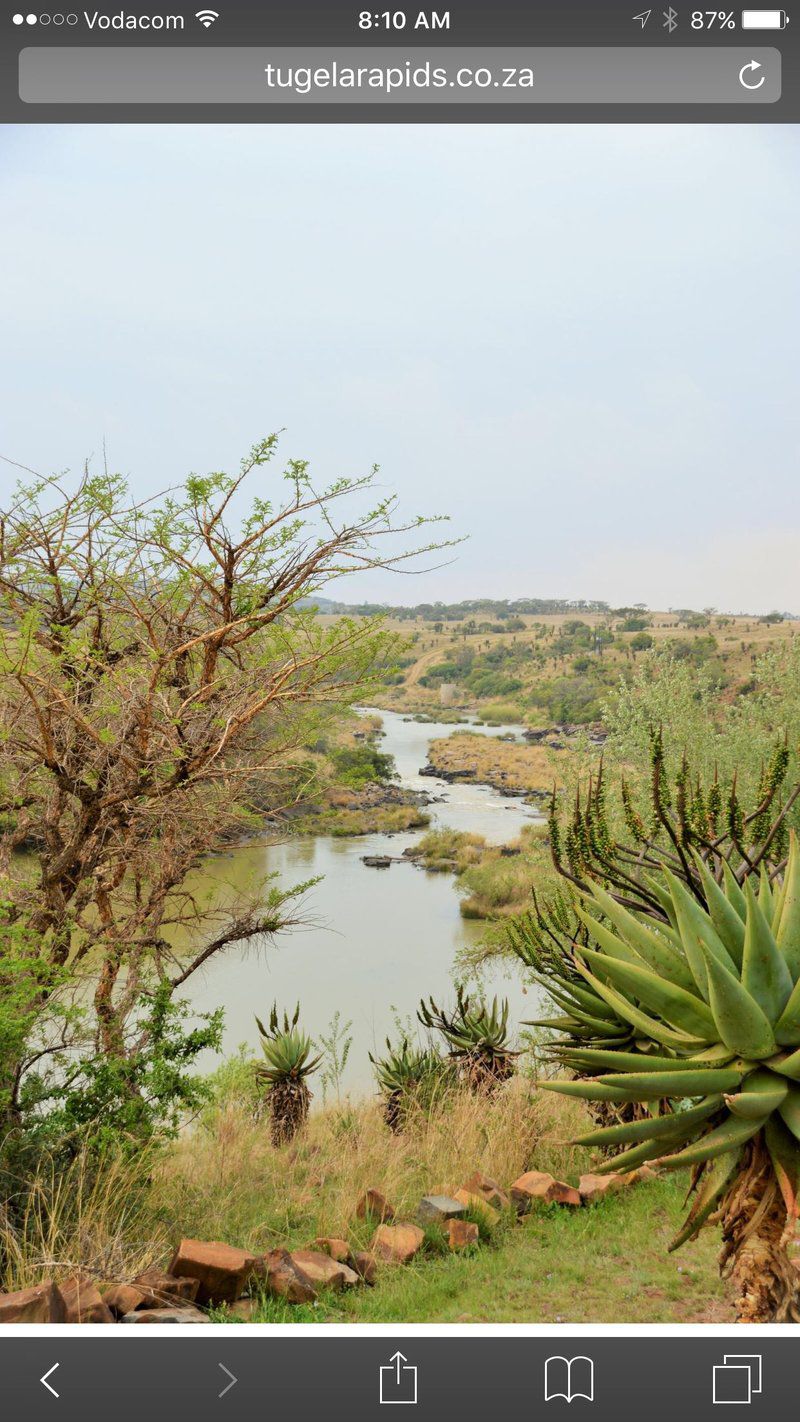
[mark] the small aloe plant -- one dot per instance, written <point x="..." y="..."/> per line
<point x="476" y="1034"/>
<point x="288" y="1062"/>
<point x="402" y="1074"/>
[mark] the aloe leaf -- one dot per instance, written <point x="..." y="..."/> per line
<point x="609" y="942"/>
<point x="726" y="920"/>
<point x="789" y="1110"/>
<point x="641" y="1061"/>
<point x="695" y="927"/>
<point x="601" y="1025"/>
<point x="782" y="1147"/>
<point x="678" y="1007"/>
<point x="741" y="1024"/>
<point x="663" y="897"/>
<point x="652" y="1127"/>
<point x="587" y="1001"/>
<point x="586" y="1089"/>
<point x="788" y="934"/>
<point x="733" y="890"/>
<point x="764" y="971"/>
<point x="765" y="899"/>
<point x="651" y="1086"/>
<point x="656" y="952"/>
<point x="710" y="1192"/>
<point x="645" y="1025"/>
<point x="637" y="1155"/>
<point x="761" y="1092"/>
<point x="787" y="1027"/>
<point x="694" y="923"/>
<point x="732" y="1132"/>
<point x="786" y="1066"/>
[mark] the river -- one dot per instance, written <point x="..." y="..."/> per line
<point x="373" y="941"/>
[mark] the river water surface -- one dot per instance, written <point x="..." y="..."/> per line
<point x="373" y="941"/>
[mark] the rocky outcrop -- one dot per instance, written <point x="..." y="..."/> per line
<point x="438" y="1209"/>
<point x="323" y="1271"/>
<point x="284" y="1279"/>
<point x="373" y="1203"/>
<point x="83" y="1301"/>
<point x="397" y="1243"/>
<point x="538" y="1185"/>
<point x="221" y="1270"/>
<point x="42" y="1303"/>
<point x="206" y="1272"/>
<point x="462" y="1234"/>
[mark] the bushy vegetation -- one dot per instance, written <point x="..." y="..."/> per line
<point x="360" y="765"/>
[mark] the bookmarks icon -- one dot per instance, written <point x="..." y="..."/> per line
<point x="569" y="1378"/>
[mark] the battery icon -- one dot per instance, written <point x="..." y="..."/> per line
<point x="764" y="19"/>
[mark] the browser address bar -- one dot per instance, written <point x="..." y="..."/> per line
<point x="86" y="74"/>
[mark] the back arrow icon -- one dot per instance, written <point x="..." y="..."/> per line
<point x="232" y="1376"/>
<point x="45" y="1383"/>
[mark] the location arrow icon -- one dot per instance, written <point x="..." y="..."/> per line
<point x="643" y="17"/>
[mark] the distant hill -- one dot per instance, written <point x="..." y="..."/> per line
<point x="456" y="611"/>
<point x="499" y="609"/>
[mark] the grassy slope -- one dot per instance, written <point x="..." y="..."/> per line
<point x="738" y="639"/>
<point x="608" y="1264"/>
<point x="605" y="1263"/>
<point x="225" y="1181"/>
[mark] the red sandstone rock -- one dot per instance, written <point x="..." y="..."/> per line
<point x="220" y="1270"/>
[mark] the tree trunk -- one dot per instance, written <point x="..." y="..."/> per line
<point x="289" y="1101"/>
<point x="756" y="1229"/>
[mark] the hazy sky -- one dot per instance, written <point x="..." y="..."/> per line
<point x="580" y="343"/>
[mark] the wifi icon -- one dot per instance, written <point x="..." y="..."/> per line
<point x="207" y="17"/>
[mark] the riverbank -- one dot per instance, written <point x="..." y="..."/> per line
<point x="346" y="785"/>
<point x="493" y="881"/>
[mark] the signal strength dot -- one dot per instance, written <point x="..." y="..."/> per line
<point x="207" y="17"/>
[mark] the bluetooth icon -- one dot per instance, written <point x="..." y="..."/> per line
<point x="670" y="19"/>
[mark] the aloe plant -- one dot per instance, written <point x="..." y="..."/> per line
<point x="402" y="1075"/>
<point x="586" y="1019"/>
<point x="710" y="1006"/>
<point x="476" y="1034"/>
<point x="686" y="815"/>
<point x="288" y="1062"/>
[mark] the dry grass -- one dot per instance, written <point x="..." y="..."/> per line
<point x="90" y="1216"/>
<point x="223" y="1179"/>
<point x="506" y="765"/>
<point x="226" y="1181"/>
<point x="738" y="639"/>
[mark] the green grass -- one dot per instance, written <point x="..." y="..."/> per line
<point x="603" y="1264"/>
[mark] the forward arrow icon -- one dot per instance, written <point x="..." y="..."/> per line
<point x="233" y="1379"/>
